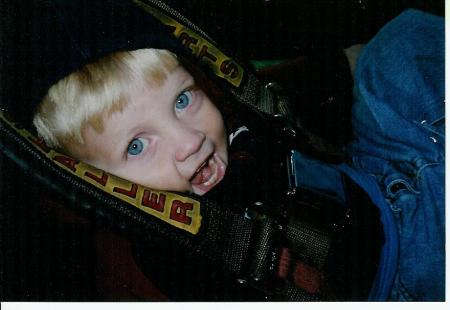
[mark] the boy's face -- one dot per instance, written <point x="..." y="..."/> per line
<point x="168" y="137"/>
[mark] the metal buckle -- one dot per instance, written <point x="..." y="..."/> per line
<point x="264" y="254"/>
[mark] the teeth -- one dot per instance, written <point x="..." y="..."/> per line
<point x="201" y="167"/>
<point x="209" y="174"/>
<point x="213" y="177"/>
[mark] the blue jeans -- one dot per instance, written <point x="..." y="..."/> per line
<point x="398" y="119"/>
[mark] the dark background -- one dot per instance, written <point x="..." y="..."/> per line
<point x="259" y="29"/>
<point x="48" y="253"/>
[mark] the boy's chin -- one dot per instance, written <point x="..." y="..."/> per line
<point x="201" y="189"/>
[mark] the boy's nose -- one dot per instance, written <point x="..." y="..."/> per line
<point x="189" y="142"/>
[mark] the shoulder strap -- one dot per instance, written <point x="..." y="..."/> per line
<point x="195" y="224"/>
<point x="297" y="247"/>
<point x="277" y="248"/>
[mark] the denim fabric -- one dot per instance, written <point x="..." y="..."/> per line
<point x="398" y="119"/>
<point x="309" y="173"/>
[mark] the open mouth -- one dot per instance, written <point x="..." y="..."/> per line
<point x="210" y="173"/>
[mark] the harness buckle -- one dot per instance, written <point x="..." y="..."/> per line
<point x="260" y="271"/>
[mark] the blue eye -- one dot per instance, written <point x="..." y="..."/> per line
<point x="136" y="146"/>
<point x="183" y="100"/>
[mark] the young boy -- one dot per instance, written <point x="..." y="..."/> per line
<point x="139" y="115"/>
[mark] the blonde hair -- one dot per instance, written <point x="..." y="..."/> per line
<point x="102" y="87"/>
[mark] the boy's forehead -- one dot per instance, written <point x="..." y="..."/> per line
<point x="158" y="81"/>
<point x="178" y="74"/>
<point x="144" y="88"/>
<point x="80" y="151"/>
<point x="110" y="125"/>
<point x="96" y="148"/>
<point x="169" y="87"/>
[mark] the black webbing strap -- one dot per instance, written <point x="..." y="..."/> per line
<point x="293" y="256"/>
<point x="253" y="248"/>
<point x="241" y="81"/>
<point x="224" y="237"/>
